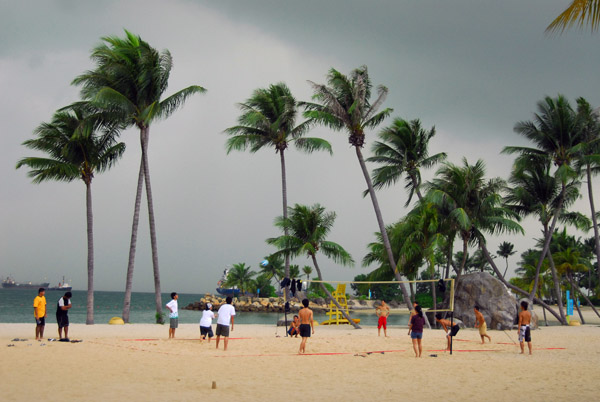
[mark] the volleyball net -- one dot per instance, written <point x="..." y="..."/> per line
<point x="423" y="291"/>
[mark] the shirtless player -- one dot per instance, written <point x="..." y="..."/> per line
<point x="523" y="328"/>
<point x="306" y="325"/>
<point x="480" y="323"/>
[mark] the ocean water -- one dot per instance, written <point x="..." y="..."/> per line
<point x="16" y="306"/>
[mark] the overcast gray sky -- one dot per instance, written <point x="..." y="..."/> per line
<point x="471" y="68"/>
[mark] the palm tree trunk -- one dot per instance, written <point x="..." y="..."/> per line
<point x="506" y="269"/>
<point x="594" y="219"/>
<point x="548" y="238"/>
<point x="384" y="235"/>
<point x="462" y="263"/>
<point x="285" y="215"/>
<point x="589" y="302"/>
<point x="556" y="286"/>
<point x="330" y="296"/>
<point x="416" y="187"/>
<point x="575" y="301"/>
<point x="132" y="245"/>
<point x="90" y="258"/>
<point x="518" y="289"/>
<point x="157" y="294"/>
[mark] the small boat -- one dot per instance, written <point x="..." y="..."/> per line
<point x="10" y="283"/>
<point x="233" y="291"/>
<point x="64" y="286"/>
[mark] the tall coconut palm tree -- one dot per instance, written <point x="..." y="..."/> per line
<point x="129" y="81"/>
<point x="308" y="228"/>
<point x="403" y="150"/>
<point x="344" y="104"/>
<point x="557" y="136"/>
<point x="268" y="120"/>
<point x="581" y="13"/>
<point x="505" y="250"/>
<point x="589" y="160"/>
<point x="240" y="275"/>
<point x="77" y="146"/>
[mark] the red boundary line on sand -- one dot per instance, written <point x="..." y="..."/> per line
<point x="317" y="354"/>
<point x="176" y="339"/>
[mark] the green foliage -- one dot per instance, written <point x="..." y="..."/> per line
<point x="315" y="289"/>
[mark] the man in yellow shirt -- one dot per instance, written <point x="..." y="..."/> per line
<point x="39" y="312"/>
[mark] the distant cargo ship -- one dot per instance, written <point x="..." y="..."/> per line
<point x="10" y="283"/>
<point x="64" y="286"/>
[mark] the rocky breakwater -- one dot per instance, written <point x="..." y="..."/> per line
<point x="275" y="304"/>
<point x="251" y="304"/>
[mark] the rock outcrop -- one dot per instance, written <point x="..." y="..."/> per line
<point x="496" y="303"/>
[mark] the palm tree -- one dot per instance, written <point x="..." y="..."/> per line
<point x="307" y="270"/>
<point x="308" y="228"/>
<point x="557" y="135"/>
<point x="294" y="271"/>
<point x="268" y="119"/>
<point x="129" y="81"/>
<point x="345" y="104"/>
<point x="77" y="146"/>
<point x="580" y="12"/>
<point x="403" y="150"/>
<point x="589" y="160"/>
<point x="505" y="250"/>
<point x="274" y="268"/>
<point x="240" y="276"/>
<point x="472" y="205"/>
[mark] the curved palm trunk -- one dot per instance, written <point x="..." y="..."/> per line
<point x="594" y="219"/>
<point x="506" y="269"/>
<point x="556" y="281"/>
<point x="132" y="245"/>
<point x="518" y="289"/>
<point x="384" y="235"/>
<point x="90" y="258"/>
<point x="589" y="302"/>
<point x="330" y="296"/>
<point x="548" y="238"/>
<point x="570" y="279"/>
<point x="157" y="295"/>
<point x="285" y="215"/>
<point x="416" y="186"/>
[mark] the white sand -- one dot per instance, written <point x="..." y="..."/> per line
<point x="110" y="365"/>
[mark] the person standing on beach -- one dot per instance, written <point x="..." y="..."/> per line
<point x="306" y="325"/>
<point x="451" y="330"/>
<point x="206" y="323"/>
<point x="415" y="330"/>
<point x="523" y="328"/>
<point x="39" y="312"/>
<point x="172" y="306"/>
<point x="62" y="315"/>
<point x="383" y="311"/>
<point x="480" y="323"/>
<point x="225" y="315"/>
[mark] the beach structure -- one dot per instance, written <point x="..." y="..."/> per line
<point x="335" y="314"/>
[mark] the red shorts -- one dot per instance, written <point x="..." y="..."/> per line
<point x="382" y="322"/>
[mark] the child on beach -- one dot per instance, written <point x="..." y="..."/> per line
<point x="173" y="314"/>
<point x="294" y="327"/>
<point x="523" y="328"/>
<point x="415" y="330"/>
<point x="480" y="323"/>
<point x="451" y="330"/>
<point x="206" y="323"/>
<point x="383" y="311"/>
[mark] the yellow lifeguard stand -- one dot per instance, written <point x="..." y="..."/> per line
<point x="334" y="314"/>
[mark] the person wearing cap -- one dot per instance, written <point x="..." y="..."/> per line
<point x="206" y="323"/>
<point x="39" y="312"/>
<point x="62" y="315"/>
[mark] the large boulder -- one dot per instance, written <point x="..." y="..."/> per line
<point x="498" y="306"/>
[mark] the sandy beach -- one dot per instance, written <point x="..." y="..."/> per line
<point x="138" y="362"/>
